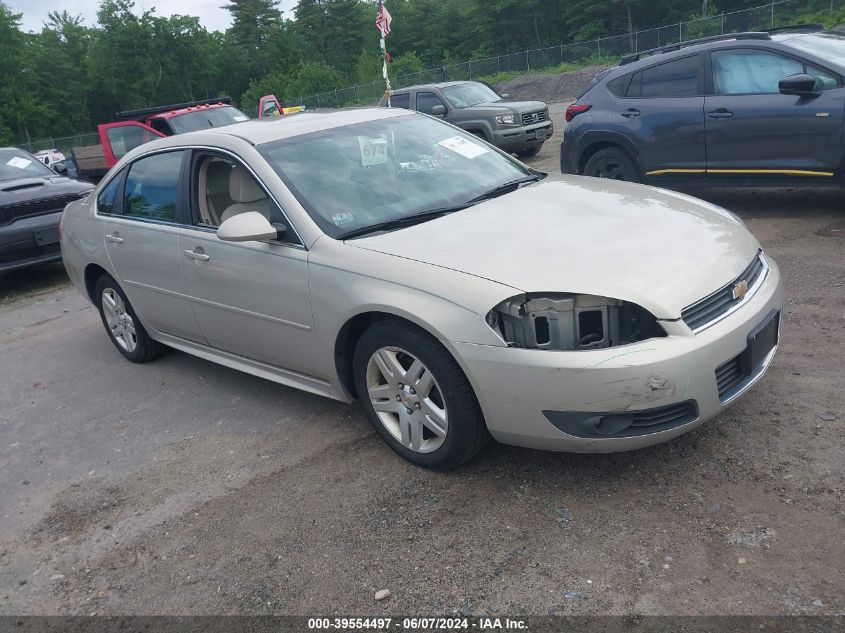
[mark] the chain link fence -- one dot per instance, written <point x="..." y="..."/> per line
<point x="600" y="51"/>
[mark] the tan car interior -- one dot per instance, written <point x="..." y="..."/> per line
<point x="227" y="189"/>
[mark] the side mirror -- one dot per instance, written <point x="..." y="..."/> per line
<point x="505" y="96"/>
<point x="60" y="168"/>
<point x="802" y="85"/>
<point x="247" y="227"/>
<point x="438" y="110"/>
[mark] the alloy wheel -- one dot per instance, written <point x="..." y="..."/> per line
<point x="407" y="399"/>
<point x="119" y="321"/>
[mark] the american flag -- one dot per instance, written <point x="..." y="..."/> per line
<point x="383" y="19"/>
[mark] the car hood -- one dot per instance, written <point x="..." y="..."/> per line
<point x="659" y="249"/>
<point x="497" y="107"/>
<point x="25" y="189"/>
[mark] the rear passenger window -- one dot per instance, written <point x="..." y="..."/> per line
<point x="401" y="101"/>
<point x="108" y="197"/>
<point x="152" y="187"/>
<point x="678" y="78"/>
<point x="619" y="86"/>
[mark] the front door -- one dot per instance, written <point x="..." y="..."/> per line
<point x="753" y="131"/>
<point x="140" y="213"/>
<point x="119" y="139"/>
<point x="249" y="298"/>
<point x="662" y="112"/>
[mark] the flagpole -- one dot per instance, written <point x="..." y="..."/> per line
<point x="387" y="88"/>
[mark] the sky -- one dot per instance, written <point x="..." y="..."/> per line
<point x="210" y="14"/>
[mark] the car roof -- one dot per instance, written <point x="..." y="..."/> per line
<point x="267" y="129"/>
<point x="440" y="84"/>
<point x="774" y="41"/>
<point x="179" y="112"/>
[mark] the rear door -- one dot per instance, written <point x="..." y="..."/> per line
<point x="662" y="112"/>
<point x="119" y="139"/>
<point x="140" y="212"/>
<point x="753" y="131"/>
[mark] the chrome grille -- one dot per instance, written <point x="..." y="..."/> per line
<point x="534" y="117"/>
<point x="39" y="206"/>
<point x="713" y="306"/>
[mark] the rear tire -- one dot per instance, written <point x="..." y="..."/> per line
<point x="416" y="396"/>
<point x="612" y="163"/>
<point x="122" y="324"/>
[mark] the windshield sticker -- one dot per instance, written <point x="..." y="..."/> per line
<point x="373" y="150"/>
<point x="462" y="146"/>
<point x="20" y="163"/>
<point x="241" y="117"/>
<point x="343" y="218"/>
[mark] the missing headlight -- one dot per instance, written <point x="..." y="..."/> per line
<point x="571" y="322"/>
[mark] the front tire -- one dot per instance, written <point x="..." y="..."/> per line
<point x="122" y="324"/>
<point x="530" y="152"/>
<point x="612" y="163"/>
<point x="416" y="396"/>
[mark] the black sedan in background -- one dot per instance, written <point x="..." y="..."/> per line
<point x="32" y="198"/>
<point x="755" y="108"/>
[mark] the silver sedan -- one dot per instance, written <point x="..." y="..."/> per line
<point x="387" y="256"/>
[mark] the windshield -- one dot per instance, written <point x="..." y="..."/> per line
<point x="827" y="45"/>
<point x="206" y="118"/>
<point x="15" y="163"/>
<point x="364" y="174"/>
<point x="468" y="95"/>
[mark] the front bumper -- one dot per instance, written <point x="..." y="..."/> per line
<point x="518" y="139"/>
<point x="516" y="386"/>
<point x="30" y="241"/>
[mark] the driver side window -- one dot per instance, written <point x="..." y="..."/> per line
<point x="759" y="72"/>
<point x="426" y="101"/>
<point x="223" y="188"/>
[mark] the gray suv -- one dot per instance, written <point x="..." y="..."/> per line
<point x="519" y="127"/>
<point x="757" y="108"/>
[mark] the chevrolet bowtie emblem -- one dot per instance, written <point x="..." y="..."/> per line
<point x="740" y="289"/>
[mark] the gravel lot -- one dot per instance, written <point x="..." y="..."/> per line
<point x="182" y="487"/>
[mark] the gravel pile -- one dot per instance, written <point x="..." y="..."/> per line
<point x="551" y="88"/>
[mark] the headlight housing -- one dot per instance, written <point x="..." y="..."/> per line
<point x="558" y="321"/>
<point x="505" y="119"/>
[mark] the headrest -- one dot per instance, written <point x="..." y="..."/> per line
<point x="242" y="186"/>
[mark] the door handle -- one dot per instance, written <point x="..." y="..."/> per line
<point x="630" y="113"/>
<point x="721" y="113"/>
<point x="114" y="237"/>
<point x="197" y="254"/>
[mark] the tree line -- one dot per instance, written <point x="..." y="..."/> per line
<point x="70" y="76"/>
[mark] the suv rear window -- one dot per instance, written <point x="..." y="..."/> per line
<point x="678" y="78"/>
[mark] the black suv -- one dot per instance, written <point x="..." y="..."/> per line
<point x="759" y="108"/>
<point x="32" y="198"/>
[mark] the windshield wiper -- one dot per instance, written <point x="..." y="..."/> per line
<point x="399" y="223"/>
<point x="501" y="190"/>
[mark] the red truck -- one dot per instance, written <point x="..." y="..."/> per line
<point x="136" y="127"/>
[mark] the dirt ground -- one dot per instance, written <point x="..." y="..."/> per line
<point x="182" y="487"/>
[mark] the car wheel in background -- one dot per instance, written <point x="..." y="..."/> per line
<point x="122" y="324"/>
<point x="528" y="153"/>
<point x="416" y="396"/>
<point x="612" y="163"/>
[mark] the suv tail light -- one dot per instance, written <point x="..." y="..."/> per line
<point x="575" y="109"/>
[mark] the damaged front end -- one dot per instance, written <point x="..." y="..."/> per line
<point x="563" y="322"/>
